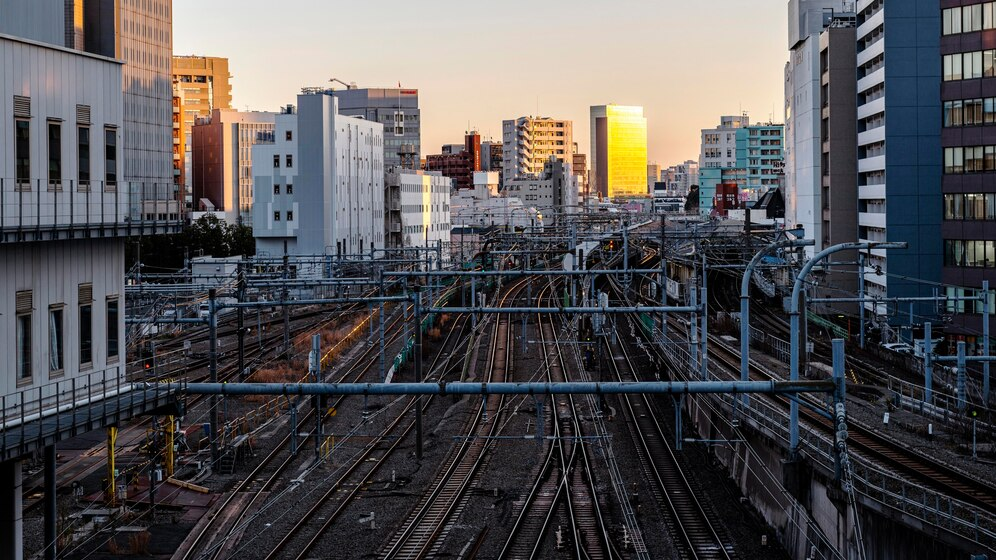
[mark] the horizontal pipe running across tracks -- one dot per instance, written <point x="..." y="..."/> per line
<point x="550" y="310"/>
<point x="515" y="273"/>
<point x="463" y="388"/>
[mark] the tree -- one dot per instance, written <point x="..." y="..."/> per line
<point x="692" y="201"/>
<point x="205" y="236"/>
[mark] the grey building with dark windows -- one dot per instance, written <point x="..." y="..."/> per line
<point x="968" y="136"/>
<point x="396" y="109"/>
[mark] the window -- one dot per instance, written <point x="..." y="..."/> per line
<point x="276" y="189"/>
<point x="290" y="188"/>
<point x="56" y="347"/>
<point x="289" y="161"/>
<point x="23" y="309"/>
<point x="54" y="153"/>
<point x="276" y="160"/>
<point x="973" y="159"/>
<point x="113" y="340"/>
<point x="110" y="157"/>
<point x="276" y="216"/>
<point x="290" y="215"/>
<point x="954" y="160"/>
<point x="289" y="135"/>
<point x="83" y="155"/>
<point x="973" y="112"/>
<point x="22" y="152"/>
<point x="86" y="333"/>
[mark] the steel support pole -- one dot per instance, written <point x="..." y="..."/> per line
<point x="213" y="373"/>
<point x="985" y="341"/>
<point x="693" y="324"/>
<point x="861" y="295"/>
<point x="794" y="350"/>
<point x="745" y="303"/>
<point x="928" y="365"/>
<point x="418" y="371"/>
<point x="241" y="324"/>
<point x="383" y="350"/>
<point x="51" y="504"/>
<point x="284" y="297"/>
<point x="704" y="353"/>
<point x="961" y="376"/>
<point x="315" y="365"/>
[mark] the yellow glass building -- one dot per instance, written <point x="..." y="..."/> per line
<point x="619" y="151"/>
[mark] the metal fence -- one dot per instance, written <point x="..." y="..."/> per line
<point x="39" y="206"/>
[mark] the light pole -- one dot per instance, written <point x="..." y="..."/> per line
<point x="794" y="323"/>
<point x="745" y="302"/>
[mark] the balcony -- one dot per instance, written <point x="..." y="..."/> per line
<point x="37" y="210"/>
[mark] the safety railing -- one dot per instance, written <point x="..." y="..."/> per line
<point x="91" y="394"/>
<point x="38" y="208"/>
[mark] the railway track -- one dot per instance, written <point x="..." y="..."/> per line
<point x="565" y="478"/>
<point x="694" y="529"/>
<point x="362" y="469"/>
<point x="134" y="434"/>
<point x="427" y="522"/>
<point x="267" y="473"/>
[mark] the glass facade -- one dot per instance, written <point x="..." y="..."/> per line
<point x="625" y="151"/>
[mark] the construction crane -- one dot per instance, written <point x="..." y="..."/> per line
<point x="350" y="85"/>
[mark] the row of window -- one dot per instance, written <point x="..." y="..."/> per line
<point x="289" y="161"/>
<point x="970" y="253"/>
<point x="290" y="216"/>
<point x="970" y="206"/>
<point x="969" y="159"/>
<point x="56" y="337"/>
<point x="965" y="19"/>
<point x="22" y="154"/>
<point x="970" y="112"/>
<point x="289" y="189"/>
<point x="969" y="65"/>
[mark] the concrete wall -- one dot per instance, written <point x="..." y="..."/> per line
<point x="818" y="514"/>
<point x="53" y="272"/>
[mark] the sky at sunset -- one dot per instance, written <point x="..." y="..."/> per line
<point x="477" y="62"/>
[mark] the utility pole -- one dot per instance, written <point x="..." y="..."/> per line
<point x="241" y="323"/>
<point x="213" y="373"/>
<point x="418" y="370"/>
<point x="284" y="295"/>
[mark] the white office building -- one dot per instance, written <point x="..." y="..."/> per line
<point x="319" y="186"/>
<point x="552" y="193"/>
<point x="418" y="207"/>
<point x="719" y="145"/>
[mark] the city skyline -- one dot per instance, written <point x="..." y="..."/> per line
<point x="448" y="61"/>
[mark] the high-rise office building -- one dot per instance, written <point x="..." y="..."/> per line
<point x="968" y="102"/>
<point x="204" y="83"/>
<point x="803" y="115"/>
<point x="395" y="108"/>
<point x="619" y="151"/>
<point x="222" y="161"/>
<point x="653" y="176"/>
<point x="529" y="143"/>
<point x="838" y="186"/>
<point x="145" y="44"/>
<point x="899" y="148"/>
<point x="719" y="145"/>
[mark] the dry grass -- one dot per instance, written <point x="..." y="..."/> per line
<point x="281" y="373"/>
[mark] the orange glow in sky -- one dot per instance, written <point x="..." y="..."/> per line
<point x="477" y="63"/>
